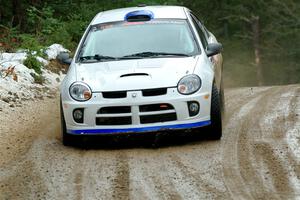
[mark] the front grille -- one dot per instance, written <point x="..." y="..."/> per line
<point x="154" y="92"/>
<point x="155" y="107"/>
<point x="114" y="110"/>
<point x="104" y="121"/>
<point x="143" y="114"/>
<point x="114" y="95"/>
<point x="146" y="119"/>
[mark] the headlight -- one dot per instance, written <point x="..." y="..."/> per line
<point x="189" y="84"/>
<point x="80" y="91"/>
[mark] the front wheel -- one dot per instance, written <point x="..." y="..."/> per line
<point x="215" y="128"/>
<point x="67" y="139"/>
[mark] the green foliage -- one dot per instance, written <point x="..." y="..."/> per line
<point x="32" y="63"/>
<point x="31" y="43"/>
<point x="42" y="20"/>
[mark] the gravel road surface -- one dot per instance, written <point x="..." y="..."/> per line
<point x="258" y="156"/>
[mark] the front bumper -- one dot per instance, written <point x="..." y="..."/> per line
<point x="137" y="124"/>
<point x="138" y="130"/>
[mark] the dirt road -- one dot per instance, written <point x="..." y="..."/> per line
<point x="257" y="158"/>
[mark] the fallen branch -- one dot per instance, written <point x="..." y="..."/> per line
<point x="10" y="71"/>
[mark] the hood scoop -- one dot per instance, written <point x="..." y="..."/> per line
<point x="134" y="74"/>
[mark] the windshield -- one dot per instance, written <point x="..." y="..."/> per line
<point x="156" y="38"/>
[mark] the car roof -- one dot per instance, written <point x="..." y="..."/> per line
<point x="160" y="12"/>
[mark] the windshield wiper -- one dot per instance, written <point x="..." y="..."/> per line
<point x="154" y="54"/>
<point x="97" y="57"/>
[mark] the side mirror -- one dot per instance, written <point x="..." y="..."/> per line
<point x="64" y="57"/>
<point x="213" y="49"/>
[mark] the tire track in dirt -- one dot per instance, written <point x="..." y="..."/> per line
<point x="281" y="122"/>
<point x="235" y="98"/>
<point x="245" y="154"/>
<point x="78" y="185"/>
<point x="202" y="185"/>
<point x="275" y="174"/>
<point x="99" y="172"/>
<point x="191" y="180"/>
<point x="231" y="167"/>
<point x="293" y="135"/>
<point x="121" y="181"/>
<point x="185" y="186"/>
<point x="165" y="188"/>
<point x="250" y="131"/>
<point x="141" y="173"/>
<point x="24" y="185"/>
<point x="148" y="175"/>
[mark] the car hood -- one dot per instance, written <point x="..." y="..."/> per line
<point x="135" y="74"/>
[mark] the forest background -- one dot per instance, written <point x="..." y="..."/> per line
<point x="261" y="38"/>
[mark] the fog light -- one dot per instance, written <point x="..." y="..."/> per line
<point x="193" y="108"/>
<point x="78" y="115"/>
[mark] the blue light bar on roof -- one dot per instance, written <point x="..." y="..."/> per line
<point x="139" y="15"/>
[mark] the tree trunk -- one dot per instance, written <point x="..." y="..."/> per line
<point x="17" y="12"/>
<point x="256" y="45"/>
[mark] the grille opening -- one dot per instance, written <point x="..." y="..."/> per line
<point x="114" y="110"/>
<point x="113" y="121"/>
<point x="155" y="107"/>
<point x="158" y="118"/>
<point x="114" y="95"/>
<point x="154" y="92"/>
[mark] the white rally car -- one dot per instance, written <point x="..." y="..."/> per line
<point x="143" y="69"/>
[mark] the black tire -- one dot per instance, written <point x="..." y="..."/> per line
<point x="222" y="98"/>
<point x="215" y="129"/>
<point x="67" y="139"/>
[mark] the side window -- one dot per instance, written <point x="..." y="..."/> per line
<point x="200" y="32"/>
<point x="206" y="32"/>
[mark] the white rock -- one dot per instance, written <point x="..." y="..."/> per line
<point x="52" y="79"/>
<point x="20" y="57"/>
<point x="42" y="60"/>
<point x="53" y="50"/>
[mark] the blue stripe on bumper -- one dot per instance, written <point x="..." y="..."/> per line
<point x="142" y="129"/>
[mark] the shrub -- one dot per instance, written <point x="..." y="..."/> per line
<point x="32" y="63"/>
<point x="31" y="43"/>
